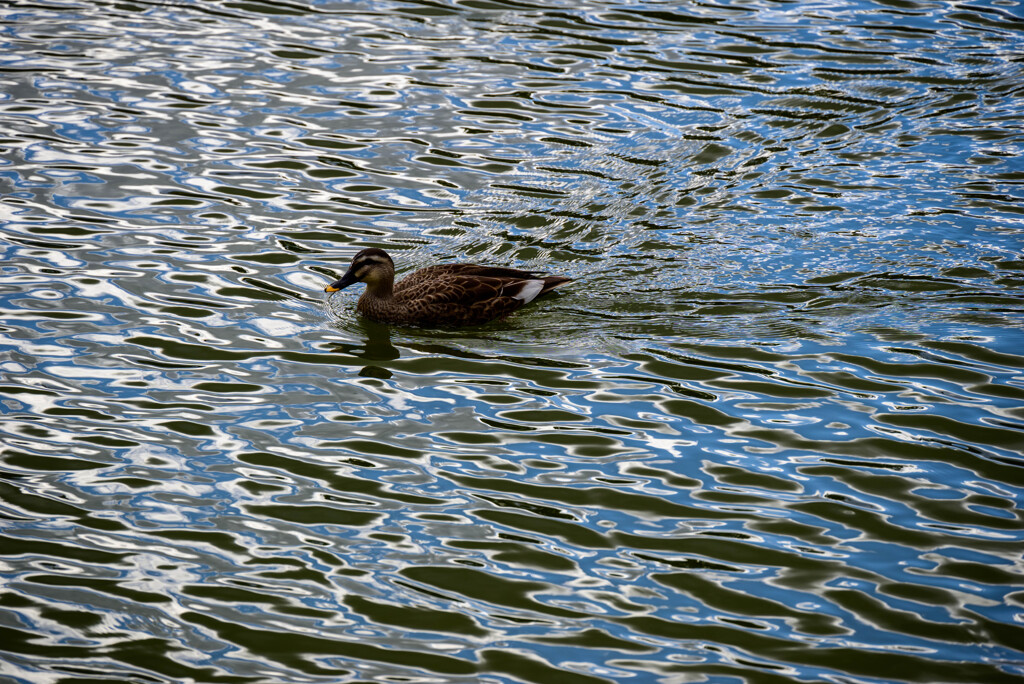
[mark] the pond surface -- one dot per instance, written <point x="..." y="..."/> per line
<point x="773" y="431"/>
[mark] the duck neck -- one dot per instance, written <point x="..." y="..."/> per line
<point x="380" y="286"/>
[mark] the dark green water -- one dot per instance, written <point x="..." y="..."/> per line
<point x="772" y="433"/>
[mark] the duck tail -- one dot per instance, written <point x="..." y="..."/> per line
<point x="551" y="282"/>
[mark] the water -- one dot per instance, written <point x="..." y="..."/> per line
<point x="773" y="432"/>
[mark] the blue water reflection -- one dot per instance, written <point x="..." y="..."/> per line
<point x="771" y="433"/>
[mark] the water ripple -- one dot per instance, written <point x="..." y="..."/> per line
<point x="771" y="433"/>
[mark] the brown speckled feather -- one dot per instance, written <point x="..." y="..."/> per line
<point x="445" y="295"/>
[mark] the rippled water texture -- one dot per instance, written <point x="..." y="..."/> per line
<point x="772" y="433"/>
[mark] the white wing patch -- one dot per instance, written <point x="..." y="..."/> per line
<point x="529" y="290"/>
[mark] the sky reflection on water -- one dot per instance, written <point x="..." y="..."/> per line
<point x="772" y="433"/>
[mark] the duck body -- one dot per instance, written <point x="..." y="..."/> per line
<point x="444" y="295"/>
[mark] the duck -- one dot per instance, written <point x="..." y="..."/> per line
<point x="443" y="295"/>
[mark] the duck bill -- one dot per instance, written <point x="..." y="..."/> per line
<point x="345" y="281"/>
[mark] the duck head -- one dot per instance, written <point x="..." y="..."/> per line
<point x="371" y="266"/>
